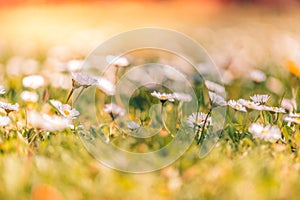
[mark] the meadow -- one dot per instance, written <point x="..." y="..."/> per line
<point x="48" y="117"/>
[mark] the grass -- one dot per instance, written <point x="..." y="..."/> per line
<point x="39" y="164"/>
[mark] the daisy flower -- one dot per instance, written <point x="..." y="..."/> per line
<point x="250" y="104"/>
<point x="293" y="117"/>
<point x="215" y="87"/>
<point x="64" y="109"/>
<point x="273" y="109"/>
<point x="163" y="97"/>
<point x="237" y="106"/>
<point x="33" y="81"/>
<point x="132" y="125"/>
<point x="9" y="107"/>
<point x="257" y="76"/>
<point x="182" y="97"/>
<point x="288" y="104"/>
<point x="82" y="79"/>
<point x="114" y="110"/>
<point x="74" y="65"/>
<point x="268" y="133"/>
<point x="295" y="120"/>
<point x="106" y="86"/>
<point x="28" y="96"/>
<point x="2" y="89"/>
<point x="198" y="119"/>
<point x="47" y="122"/>
<point x="4" y="121"/>
<point x="118" y="61"/>
<point x="216" y="100"/>
<point x="260" y="98"/>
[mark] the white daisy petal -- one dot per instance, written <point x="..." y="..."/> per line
<point x="33" y="81"/>
<point x="268" y="133"/>
<point x="237" y="106"/>
<point x="260" y="98"/>
<point x="198" y="119"/>
<point x="4" y="121"/>
<point x="163" y="97"/>
<point x="216" y="100"/>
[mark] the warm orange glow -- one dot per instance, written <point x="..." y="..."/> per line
<point x="293" y="67"/>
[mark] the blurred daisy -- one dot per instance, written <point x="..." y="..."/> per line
<point x="250" y="104"/>
<point x="132" y="125"/>
<point x="33" y="81"/>
<point x="260" y="98"/>
<point x="9" y="107"/>
<point x="198" y="120"/>
<point x="289" y="105"/>
<point x="163" y="97"/>
<point x="237" y="106"/>
<point x="106" y="86"/>
<point x="215" y="87"/>
<point x="295" y="120"/>
<point x="273" y="109"/>
<point x="4" y="121"/>
<point x="47" y="122"/>
<point x="293" y="117"/>
<point x="82" y="79"/>
<point x="30" y="97"/>
<point x="74" y="65"/>
<point x="118" y="61"/>
<point x="216" y="100"/>
<point x="257" y="76"/>
<point x="2" y="89"/>
<point x="114" y="110"/>
<point x="64" y="109"/>
<point x="184" y="97"/>
<point x="268" y="133"/>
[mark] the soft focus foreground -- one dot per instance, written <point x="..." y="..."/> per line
<point x="256" y="48"/>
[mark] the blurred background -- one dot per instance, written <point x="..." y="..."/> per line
<point x="238" y="34"/>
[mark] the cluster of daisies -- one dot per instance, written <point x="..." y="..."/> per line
<point x="258" y="102"/>
<point x="65" y="113"/>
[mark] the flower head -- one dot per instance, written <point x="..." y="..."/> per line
<point x="257" y="76"/>
<point x="118" y="61"/>
<point x="237" y="106"/>
<point x="74" y="65"/>
<point x="64" y="109"/>
<point x="293" y="117"/>
<point x="216" y="100"/>
<point x="82" y="79"/>
<point x="132" y="125"/>
<point x="9" y="107"/>
<point x="182" y="97"/>
<point x="215" y="87"/>
<point x="260" y="98"/>
<point x="268" y="133"/>
<point x="2" y="89"/>
<point x="106" y="86"/>
<point x="273" y="109"/>
<point x="28" y="96"/>
<point x="114" y="110"/>
<point x="198" y="119"/>
<point x="47" y="122"/>
<point x="33" y="81"/>
<point x="288" y="104"/>
<point x="250" y="104"/>
<point x="163" y="97"/>
<point x="4" y="120"/>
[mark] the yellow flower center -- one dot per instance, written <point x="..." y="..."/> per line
<point x="163" y="97"/>
<point x="265" y="131"/>
<point x="66" y="112"/>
